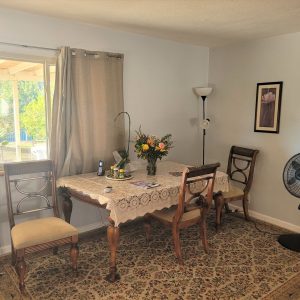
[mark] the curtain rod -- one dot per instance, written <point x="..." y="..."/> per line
<point x="117" y="55"/>
<point x="92" y="52"/>
<point x="27" y="46"/>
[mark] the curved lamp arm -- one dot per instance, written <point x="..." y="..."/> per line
<point x="129" y="126"/>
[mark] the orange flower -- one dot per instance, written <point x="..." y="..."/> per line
<point x="151" y="141"/>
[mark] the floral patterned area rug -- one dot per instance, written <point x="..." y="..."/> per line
<point x="243" y="263"/>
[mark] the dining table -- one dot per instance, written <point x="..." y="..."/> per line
<point x="128" y="199"/>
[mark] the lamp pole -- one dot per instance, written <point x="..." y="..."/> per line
<point x="204" y="130"/>
<point x="203" y="92"/>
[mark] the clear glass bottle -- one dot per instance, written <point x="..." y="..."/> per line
<point x="111" y="171"/>
<point x="116" y="173"/>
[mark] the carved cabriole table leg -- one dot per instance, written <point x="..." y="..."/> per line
<point x="67" y="207"/>
<point x="113" y="235"/>
<point x="219" y="203"/>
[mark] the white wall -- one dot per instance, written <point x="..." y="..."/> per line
<point x="235" y="71"/>
<point x="158" y="80"/>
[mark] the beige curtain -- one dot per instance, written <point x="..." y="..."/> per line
<point x="88" y="95"/>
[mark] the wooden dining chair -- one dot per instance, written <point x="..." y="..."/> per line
<point x="194" y="201"/>
<point x="31" y="189"/>
<point x="240" y="170"/>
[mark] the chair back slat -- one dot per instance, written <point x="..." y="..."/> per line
<point x="203" y="170"/>
<point x="196" y="181"/>
<point x="27" y="167"/>
<point x="30" y="180"/>
<point x="246" y="152"/>
<point x="241" y="164"/>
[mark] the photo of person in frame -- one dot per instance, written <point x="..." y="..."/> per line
<point x="267" y="109"/>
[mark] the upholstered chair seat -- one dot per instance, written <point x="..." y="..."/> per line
<point x="40" y="231"/>
<point x="168" y="215"/>
<point x="234" y="192"/>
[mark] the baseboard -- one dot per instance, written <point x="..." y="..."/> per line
<point x="6" y="249"/>
<point x="90" y="227"/>
<point x="269" y="219"/>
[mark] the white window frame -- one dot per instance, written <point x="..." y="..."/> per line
<point x="47" y="61"/>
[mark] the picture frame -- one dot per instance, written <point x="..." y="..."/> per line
<point x="268" y="106"/>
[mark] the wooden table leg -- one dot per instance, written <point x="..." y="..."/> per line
<point x="113" y="235"/>
<point x="219" y="202"/>
<point x="67" y="207"/>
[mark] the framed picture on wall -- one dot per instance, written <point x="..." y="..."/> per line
<point x="267" y="109"/>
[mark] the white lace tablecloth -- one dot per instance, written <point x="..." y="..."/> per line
<point x="128" y="201"/>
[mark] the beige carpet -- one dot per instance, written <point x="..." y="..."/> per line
<point x="242" y="264"/>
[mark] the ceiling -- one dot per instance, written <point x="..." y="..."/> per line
<point x="201" y="22"/>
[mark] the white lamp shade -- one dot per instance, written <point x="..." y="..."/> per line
<point x="202" y="91"/>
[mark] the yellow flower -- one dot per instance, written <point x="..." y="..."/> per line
<point x="157" y="148"/>
<point x="145" y="147"/>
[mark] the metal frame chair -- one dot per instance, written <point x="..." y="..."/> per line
<point x="40" y="233"/>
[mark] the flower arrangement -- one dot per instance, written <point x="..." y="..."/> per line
<point x="151" y="148"/>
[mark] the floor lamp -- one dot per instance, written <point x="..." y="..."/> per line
<point x="203" y="92"/>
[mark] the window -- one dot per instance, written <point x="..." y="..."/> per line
<point x="26" y="87"/>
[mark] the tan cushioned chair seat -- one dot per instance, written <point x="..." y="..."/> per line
<point x="234" y="192"/>
<point x="40" y="231"/>
<point x="168" y="214"/>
